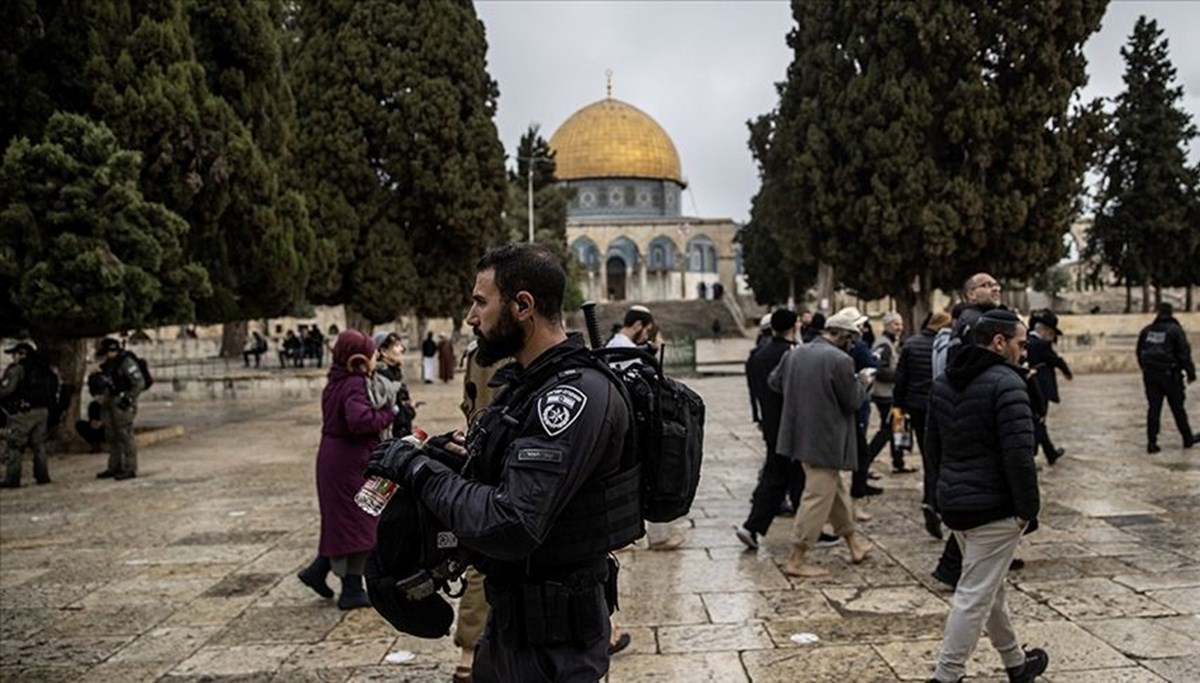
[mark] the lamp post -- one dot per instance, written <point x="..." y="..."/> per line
<point x="530" y="161"/>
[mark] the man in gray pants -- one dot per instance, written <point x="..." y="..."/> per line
<point x="981" y="442"/>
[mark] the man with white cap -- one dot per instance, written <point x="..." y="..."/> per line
<point x="821" y="394"/>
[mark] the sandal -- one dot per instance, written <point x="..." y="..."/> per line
<point x="622" y="642"/>
<point x="462" y="674"/>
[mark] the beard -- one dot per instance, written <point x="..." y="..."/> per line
<point x="504" y="342"/>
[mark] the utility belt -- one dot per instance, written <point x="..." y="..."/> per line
<point x="574" y="610"/>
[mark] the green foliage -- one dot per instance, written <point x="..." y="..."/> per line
<point x="190" y="91"/>
<point x="1052" y="280"/>
<point x="1143" y="229"/>
<point x="915" y="143"/>
<point x="399" y="154"/>
<point x="83" y="252"/>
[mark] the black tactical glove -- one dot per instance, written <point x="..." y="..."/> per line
<point x="124" y="403"/>
<point x="395" y="460"/>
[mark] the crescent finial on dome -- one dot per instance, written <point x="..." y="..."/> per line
<point x="608" y="84"/>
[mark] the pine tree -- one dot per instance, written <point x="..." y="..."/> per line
<point x="917" y="143"/>
<point x="137" y="68"/>
<point x="82" y="252"/>
<point x="399" y="152"/>
<point x="1142" y="222"/>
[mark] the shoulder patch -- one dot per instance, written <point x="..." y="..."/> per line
<point x="559" y="408"/>
<point x="1156" y="337"/>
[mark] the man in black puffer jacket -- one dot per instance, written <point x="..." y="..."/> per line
<point x="914" y="378"/>
<point x="980" y="439"/>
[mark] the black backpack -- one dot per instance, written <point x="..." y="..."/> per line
<point x="40" y="386"/>
<point x="144" y="368"/>
<point x="668" y="424"/>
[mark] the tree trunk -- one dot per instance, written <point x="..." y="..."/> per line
<point x="825" y="288"/>
<point x="355" y="320"/>
<point x="1157" y="295"/>
<point x="915" y="305"/>
<point x="233" y="338"/>
<point x="1188" y="301"/>
<point x="1145" y="297"/>
<point x="71" y="357"/>
<point x="1128" y="297"/>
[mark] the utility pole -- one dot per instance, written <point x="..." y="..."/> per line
<point x="529" y="177"/>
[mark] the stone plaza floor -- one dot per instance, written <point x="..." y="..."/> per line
<point x="187" y="573"/>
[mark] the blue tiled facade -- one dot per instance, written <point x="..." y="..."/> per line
<point x="624" y="198"/>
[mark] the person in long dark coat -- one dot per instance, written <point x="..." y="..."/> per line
<point x="445" y="359"/>
<point x="350" y="429"/>
<point x="1045" y="362"/>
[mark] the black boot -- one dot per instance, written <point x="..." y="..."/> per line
<point x="1036" y="661"/>
<point x="314" y="575"/>
<point x="353" y="594"/>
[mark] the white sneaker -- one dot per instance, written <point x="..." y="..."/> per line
<point x="748" y="537"/>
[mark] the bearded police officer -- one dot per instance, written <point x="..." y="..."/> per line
<point x="28" y="413"/>
<point x="540" y="501"/>
<point x="118" y="408"/>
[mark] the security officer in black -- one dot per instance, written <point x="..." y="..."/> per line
<point x="118" y="408"/>
<point x="27" y="417"/>
<point x="544" y="496"/>
<point x="1165" y="357"/>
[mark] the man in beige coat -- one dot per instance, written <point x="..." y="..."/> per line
<point x="820" y="396"/>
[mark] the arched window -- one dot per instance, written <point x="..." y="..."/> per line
<point x="624" y="248"/>
<point x="662" y="254"/>
<point x="587" y="253"/>
<point x="702" y="255"/>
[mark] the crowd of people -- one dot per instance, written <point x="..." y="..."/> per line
<point x="971" y="391"/>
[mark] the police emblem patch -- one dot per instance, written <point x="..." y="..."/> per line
<point x="559" y="408"/>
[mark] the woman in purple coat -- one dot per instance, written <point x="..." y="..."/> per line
<point x="350" y="429"/>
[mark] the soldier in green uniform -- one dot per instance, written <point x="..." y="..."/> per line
<point x="118" y="408"/>
<point x="28" y="412"/>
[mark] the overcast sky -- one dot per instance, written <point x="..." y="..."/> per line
<point x="702" y="69"/>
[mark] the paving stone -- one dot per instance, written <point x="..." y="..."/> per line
<point x="713" y="638"/>
<point x="707" y="667"/>
<point x="170" y="644"/>
<point x="20" y="623"/>
<point x="337" y="654"/>
<point x="235" y="660"/>
<point x="1178" y="669"/>
<point x="916" y="659"/>
<point x="55" y="652"/>
<point x="119" y="620"/>
<point x="19" y="674"/>
<point x="395" y="673"/>
<point x="879" y="601"/>
<point x="1183" y="578"/>
<point x="1134" y="674"/>
<point x="1070" y="647"/>
<point x="834" y="663"/>
<point x="858" y="629"/>
<point x="668" y="609"/>
<point x="1187" y="624"/>
<point x="16" y="577"/>
<point x="740" y="607"/>
<point x="1183" y="600"/>
<point x="1094" y="598"/>
<point x="362" y="624"/>
<point x="1142" y="638"/>
<point x="279" y="625"/>
<point x="209" y="611"/>
<point x="126" y="672"/>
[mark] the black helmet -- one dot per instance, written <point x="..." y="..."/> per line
<point x="414" y="560"/>
<point x="107" y="344"/>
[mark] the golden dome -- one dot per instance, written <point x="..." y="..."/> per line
<point x="612" y="139"/>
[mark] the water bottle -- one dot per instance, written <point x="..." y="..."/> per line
<point x="374" y="495"/>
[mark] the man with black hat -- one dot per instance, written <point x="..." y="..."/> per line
<point x="28" y="409"/>
<point x="1164" y="355"/>
<point x="118" y="408"/>
<point x="778" y="470"/>
<point x="1045" y="363"/>
<point x="547" y="492"/>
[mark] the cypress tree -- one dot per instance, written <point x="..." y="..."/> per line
<point x="82" y="252"/>
<point x="915" y="143"/>
<point x="1142" y="225"/>
<point x="399" y="152"/>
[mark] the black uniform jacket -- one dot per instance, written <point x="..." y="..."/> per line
<point x="1163" y="347"/>
<point x="981" y="442"/>
<point x="765" y="403"/>
<point x="572" y="434"/>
